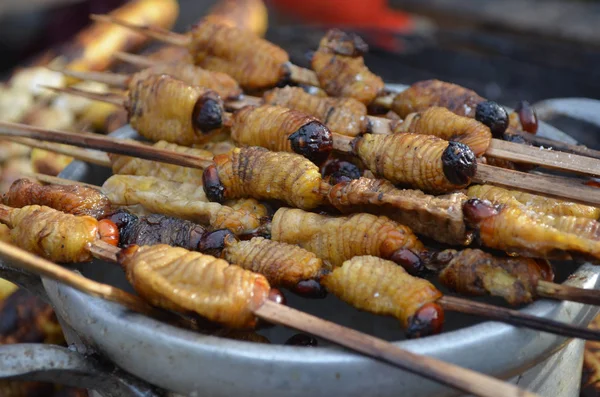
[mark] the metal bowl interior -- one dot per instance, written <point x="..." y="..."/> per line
<point x="190" y="363"/>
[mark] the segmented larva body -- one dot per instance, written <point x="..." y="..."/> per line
<point x="513" y="228"/>
<point x="420" y="161"/>
<point x="177" y="279"/>
<point x="182" y="200"/>
<point x="282" y="130"/>
<point x="163" y="108"/>
<point x="262" y="174"/>
<point x="52" y="234"/>
<point x="282" y="264"/>
<point x="533" y="202"/>
<point x="253" y="62"/>
<point x="474" y="272"/>
<point x="126" y="165"/>
<point x="341" y="69"/>
<point x="437" y="217"/>
<point x="221" y="83"/>
<point x="380" y="287"/>
<point x="449" y="126"/>
<point x="337" y="239"/>
<point x="345" y="116"/>
<point x="425" y="94"/>
<point x="72" y="199"/>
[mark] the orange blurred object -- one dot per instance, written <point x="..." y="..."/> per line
<point x="378" y="22"/>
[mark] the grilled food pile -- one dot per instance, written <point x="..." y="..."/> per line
<point x="300" y="189"/>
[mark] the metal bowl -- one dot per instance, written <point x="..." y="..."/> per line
<point x="189" y="363"/>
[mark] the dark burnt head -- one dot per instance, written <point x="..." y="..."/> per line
<point x="527" y="117"/>
<point x="125" y="222"/>
<point x="410" y="261"/>
<point x="459" y="163"/>
<point x="211" y="183"/>
<point x="302" y="340"/>
<point x="494" y="116"/>
<point x="313" y="141"/>
<point x="310" y="289"/>
<point x="348" y="44"/>
<point x="213" y="243"/>
<point x="277" y="296"/>
<point x="208" y="112"/>
<point x="340" y="171"/>
<point x="475" y="211"/>
<point x="428" y="320"/>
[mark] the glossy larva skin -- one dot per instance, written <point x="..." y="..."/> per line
<point x="252" y="61"/>
<point x="345" y="116"/>
<point x="177" y="279"/>
<point x="259" y="173"/>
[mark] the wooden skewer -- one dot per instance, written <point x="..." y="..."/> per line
<point x="552" y="186"/>
<point x="580" y="150"/>
<point x="460" y="378"/>
<point x="89" y="156"/>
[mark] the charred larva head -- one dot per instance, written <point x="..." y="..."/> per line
<point x="475" y="211"/>
<point x="310" y="288"/>
<point x="313" y="140"/>
<point x="276" y="296"/>
<point x="302" y="340"/>
<point x="208" y="112"/>
<point x="410" y="261"/>
<point x="348" y="44"/>
<point x="340" y="171"/>
<point x="459" y="163"/>
<point x="213" y="243"/>
<point x="428" y="320"/>
<point x="123" y="220"/>
<point x="494" y="116"/>
<point x="211" y="183"/>
<point x="527" y="117"/>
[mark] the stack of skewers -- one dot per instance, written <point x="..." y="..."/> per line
<point x="260" y="175"/>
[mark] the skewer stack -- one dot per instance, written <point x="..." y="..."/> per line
<point x="370" y="259"/>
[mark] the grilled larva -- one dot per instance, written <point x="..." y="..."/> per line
<point x="336" y="239"/>
<point x="223" y="84"/>
<point x="513" y="228"/>
<point x="420" y="161"/>
<point x="341" y="69"/>
<point x="449" y="126"/>
<point x="4" y="237"/>
<point x="437" y="217"/>
<point x="55" y="235"/>
<point x="253" y="62"/>
<point x="474" y="272"/>
<point x="182" y="200"/>
<point x="462" y="101"/>
<point x="164" y="108"/>
<point x="136" y="166"/>
<point x="177" y="279"/>
<point x="541" y="204"/>
<point x="261" y="174"/>
<point x="282" y="130"/>
<point x="72" y="199"/>
<point x="284" y="265"/>
<point x="345" y="116"/>
<point x="382" y="287"/>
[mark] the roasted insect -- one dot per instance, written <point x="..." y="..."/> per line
<point x="185" y="281"/>
<point x="183" y="200"/>
<point x="382" y="287"/>
<point x="341" y="69"/>
<point x="345" y="116"/>
<point x="437" y="217"/>
<point x="160" y="105"/>
<point x="421" y="161"/>
<point x="54" y="235"/>
<point x="284" y="265"/>
<point x="261" y="174"/>
<point x="462" y="101"/>
<point x="72" y="199"/>
<point x="441" y="122"/>
<point x="514" y="228"/>
<point x="337" y="239"/>
<point x="283" y="130"/>
<point x="474" y="272"/>
<point x="533" y="202"/>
